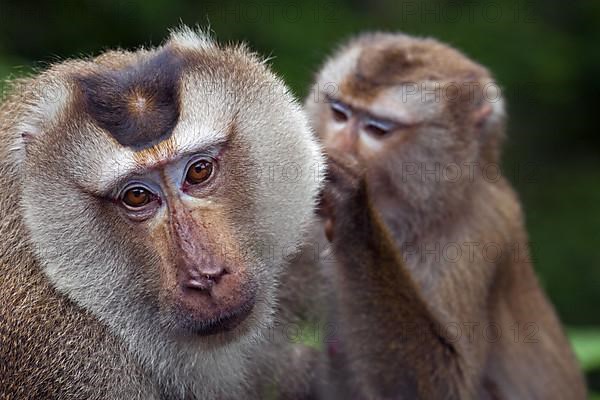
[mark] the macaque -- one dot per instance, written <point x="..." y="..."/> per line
<point x="141" y="253"/>
<point x="434" y="292"/>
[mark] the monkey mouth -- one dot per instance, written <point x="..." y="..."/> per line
<point x="225" y="321"/>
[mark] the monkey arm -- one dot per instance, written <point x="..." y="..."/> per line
<point x="392" y="340"/>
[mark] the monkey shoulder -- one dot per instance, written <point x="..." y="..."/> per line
<point x="50" y="348"/>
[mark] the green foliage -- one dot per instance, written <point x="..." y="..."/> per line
<point x="586" y="343"/>
<point x="561" y="205"/>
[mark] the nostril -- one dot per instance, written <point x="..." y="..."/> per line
<point x="213" y="274"/>
<point x="199" y="283"/>
<point x="204" y="280"/>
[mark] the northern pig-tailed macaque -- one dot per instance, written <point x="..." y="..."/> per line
<point x="436" y="297"/>
<point x="143" y="231"/>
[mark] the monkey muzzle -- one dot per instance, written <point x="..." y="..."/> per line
<point x="207" y="306"/>
<point x="209" y="291"/>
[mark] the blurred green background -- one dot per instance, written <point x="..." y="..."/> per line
<point x="545" y="54"/>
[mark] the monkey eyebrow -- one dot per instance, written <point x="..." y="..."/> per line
<point x="351" y="109"/>
<point x="389" y="122"/>
<point x="369" y="117"/>
<point x="329" y="99"/>
<point x="383" y="124"/>
<point x="131" y="166"/>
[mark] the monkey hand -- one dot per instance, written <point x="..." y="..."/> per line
<point x="344" y="200"/>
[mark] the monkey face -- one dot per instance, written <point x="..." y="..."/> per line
<point x="412" y="111"/>
<point x="154" y="192"/>
<point x="204" y="281"/>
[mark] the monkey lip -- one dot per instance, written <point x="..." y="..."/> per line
<point x="225" y="319"/>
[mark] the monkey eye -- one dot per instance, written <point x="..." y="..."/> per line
<point x="199" y="171"/>
<point x="341" y="112"/>
<point x="377" y="127"/>
<point x="137" y="197"/>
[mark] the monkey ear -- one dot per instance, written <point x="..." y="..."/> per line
<point x="27" y="138"/>
<point x="488" y="114"/>
<point x="44" y="100"/>
<point x="481" y="114"/>
<point x="488" y="119"/>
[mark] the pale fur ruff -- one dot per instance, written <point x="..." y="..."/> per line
<point x="94" y="278"/>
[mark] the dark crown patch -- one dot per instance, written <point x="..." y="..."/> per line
<point x="139" y="104"/>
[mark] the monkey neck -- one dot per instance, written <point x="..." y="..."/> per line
<point x="441" y="215"/>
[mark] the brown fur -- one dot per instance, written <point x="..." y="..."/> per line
<point x="386" y="62"/>
<point x="394" y="305"/>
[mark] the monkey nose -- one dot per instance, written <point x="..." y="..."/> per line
<point x="203" y="278"/>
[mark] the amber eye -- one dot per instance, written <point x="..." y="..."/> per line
<point x="137" y="197"/>
<point x="199" y="172"/>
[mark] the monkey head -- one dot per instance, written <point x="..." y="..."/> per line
<point x="421" y="117"/>
<point x="153" y="192"/>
